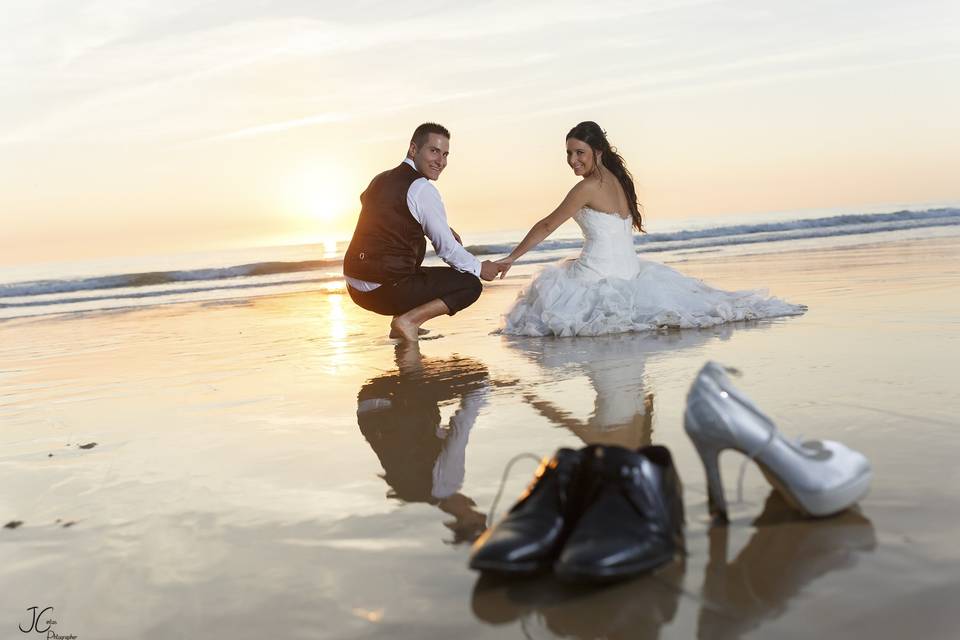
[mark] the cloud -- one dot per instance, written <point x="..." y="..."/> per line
<point x="340" y="117"/>
<point x="127" y="71"/>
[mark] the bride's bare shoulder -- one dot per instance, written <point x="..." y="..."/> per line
<point x="586" y="188"/>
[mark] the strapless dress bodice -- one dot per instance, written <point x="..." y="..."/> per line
<point x="607" y="245"/>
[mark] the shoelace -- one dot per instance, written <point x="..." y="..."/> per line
<point x="503" y="482"/>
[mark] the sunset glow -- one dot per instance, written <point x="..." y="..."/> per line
<point x="130" y="127"/>
<point x="319" y="194"/>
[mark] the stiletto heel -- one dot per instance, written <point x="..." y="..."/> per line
<point x="819" y="478"/>
<point x="679" y="521"/>
<point x="716" y="499"/>
<point x="709" y="453"/>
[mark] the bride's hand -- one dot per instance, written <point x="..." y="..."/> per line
<point x="504" y="265"/>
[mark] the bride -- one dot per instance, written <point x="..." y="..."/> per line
<point x="608" y="288"/>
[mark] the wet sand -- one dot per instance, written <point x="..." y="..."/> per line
<point x="276" y="468"/>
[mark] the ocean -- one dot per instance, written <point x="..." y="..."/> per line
<point x="84" y="287"/>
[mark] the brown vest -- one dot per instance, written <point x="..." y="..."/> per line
<point x="388" y="243"/>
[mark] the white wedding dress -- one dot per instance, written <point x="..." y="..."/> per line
<point x="609" y="289"/>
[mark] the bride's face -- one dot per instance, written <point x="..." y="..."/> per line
<point x="580" y="157"/>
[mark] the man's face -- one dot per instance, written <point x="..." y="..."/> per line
<point x="430" y="158"/>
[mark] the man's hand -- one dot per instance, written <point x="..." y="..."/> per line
<point x="456" y="236"/>
<point x="489" y="270"/>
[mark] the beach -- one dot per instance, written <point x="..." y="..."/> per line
<point x="275" y="466"/>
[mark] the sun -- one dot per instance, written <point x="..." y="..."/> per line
<point x="322" y="209"/>
<point x="321" y="194"/>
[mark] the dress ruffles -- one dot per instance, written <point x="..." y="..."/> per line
<point x="560" y="301"/>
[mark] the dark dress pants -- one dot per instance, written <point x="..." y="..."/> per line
<point x="458" y="291"/>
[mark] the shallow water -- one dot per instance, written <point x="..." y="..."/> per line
<point x="249" y="481"/>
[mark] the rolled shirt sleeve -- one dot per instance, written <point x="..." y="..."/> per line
<point x="425" y="204"/>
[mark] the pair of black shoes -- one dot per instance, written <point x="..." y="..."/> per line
<point x="597" y="514"/>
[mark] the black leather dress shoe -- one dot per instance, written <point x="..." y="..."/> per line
<point x="633" y="521"/>
<point x="529" y="538"/>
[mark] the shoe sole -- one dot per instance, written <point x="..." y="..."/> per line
<point x="610" y="574"/>
<point x="823" y="504"/>
<point x="509" y="568"/>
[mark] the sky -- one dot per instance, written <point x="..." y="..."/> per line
<point x="138" y="127"/>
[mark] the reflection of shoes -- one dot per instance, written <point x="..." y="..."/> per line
<point x="634" y="609"/>
<point x="785" y="554"/>
<point x="818" y="478"/>
<point x="529" y="538"/>
<point x="633" y="516"/>
<point x="493" y="602"/>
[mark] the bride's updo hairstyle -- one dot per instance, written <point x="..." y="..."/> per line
<point x="590" y="133"/>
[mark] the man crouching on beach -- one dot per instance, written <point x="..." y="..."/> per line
<point x="382" y="265"/>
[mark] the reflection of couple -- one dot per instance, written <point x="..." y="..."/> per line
<point x="423" y="459"/>
<point x="606" y="289"/>
<point x="614" y="367"/>
<point x="423" y="456"/>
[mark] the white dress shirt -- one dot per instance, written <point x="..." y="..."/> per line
<point x="449" y="468"/>
<point x="424" y="202"/>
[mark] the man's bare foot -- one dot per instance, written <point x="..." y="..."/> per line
<point x="406" y="326"/>
<point x="403" y="330"/>
<point x="395" y="334"/>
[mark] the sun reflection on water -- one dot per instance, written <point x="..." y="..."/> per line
<point x="336" y="319"/>
<point x="331" y="287"/>
<point x="329" y="247"/>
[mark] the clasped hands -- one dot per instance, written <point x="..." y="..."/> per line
<point x="490" y="269"/>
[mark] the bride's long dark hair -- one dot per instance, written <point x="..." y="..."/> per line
<point x="591" y="133"/>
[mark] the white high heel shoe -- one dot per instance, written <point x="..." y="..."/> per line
<point x="818" y="478"/>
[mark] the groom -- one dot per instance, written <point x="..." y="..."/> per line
<point x="382" y="264"/>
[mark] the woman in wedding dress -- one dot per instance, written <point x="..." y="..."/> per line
<point x="608" y="288"/>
